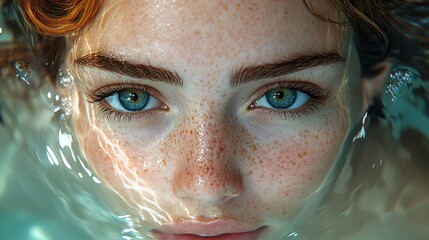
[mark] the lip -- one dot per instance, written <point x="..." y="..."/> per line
<point x="224" y="229"/>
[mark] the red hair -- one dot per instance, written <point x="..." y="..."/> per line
<point x="58" y="18"/>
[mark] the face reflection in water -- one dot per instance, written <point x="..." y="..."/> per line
<point x="214" y="110"/>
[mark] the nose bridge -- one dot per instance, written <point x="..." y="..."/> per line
<point x="211" y="137"/>
<point x="208" y="172"/>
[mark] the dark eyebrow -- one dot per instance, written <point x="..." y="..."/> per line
<point x="145" y="71"/>
<point x="294" y="64"/>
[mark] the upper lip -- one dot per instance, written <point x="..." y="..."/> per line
<point x="209" y="226"/>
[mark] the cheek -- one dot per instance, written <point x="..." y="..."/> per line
<point x="287" y="168"/>
<point x="120" y="158"/>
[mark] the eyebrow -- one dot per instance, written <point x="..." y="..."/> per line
<point x="145" y="71"/>
<point x="243" y="75"/>
<point x="296" y="63"/>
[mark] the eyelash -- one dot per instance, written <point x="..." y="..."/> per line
<point x="104" y="111"/>
<point x="318" y="97"/>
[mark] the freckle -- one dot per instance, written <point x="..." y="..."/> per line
<point x="221" y="149"/>
<point x="250" y="172"/>
<point x="225" y="7"/>
<point x="286" y="11"/>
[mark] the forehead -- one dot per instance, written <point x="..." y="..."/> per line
<point x="216" y="29"/>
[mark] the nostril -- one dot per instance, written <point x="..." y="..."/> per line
<point x="207" y="188"/>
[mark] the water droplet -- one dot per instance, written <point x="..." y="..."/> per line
<point x="66" y="108"/>
<point x="24" y="71"/>
<point x="393" y="90"/>
<point x="55" y="108"/>
<point x="64" y="80"/>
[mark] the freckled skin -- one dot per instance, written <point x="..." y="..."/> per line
<point x="209" y="155"/>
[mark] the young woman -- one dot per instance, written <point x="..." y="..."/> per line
<point x="219" y="119"/>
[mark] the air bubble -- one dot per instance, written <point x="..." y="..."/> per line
<point x="24" y="71"/>
<point x="66" y="108"/>
<point x="64" y="80"/>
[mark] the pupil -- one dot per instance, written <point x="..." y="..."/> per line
<point x="279" y="95"/>
<point x="133" y="97"/>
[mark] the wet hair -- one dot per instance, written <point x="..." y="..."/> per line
<point x="59" y="18"/>
<point x="374" y="22"/>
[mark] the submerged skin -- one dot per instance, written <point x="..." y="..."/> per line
<point x="205" y="151"/>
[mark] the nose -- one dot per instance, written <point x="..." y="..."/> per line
<point x="207" y="186"/>
<point x="208" y="172"/>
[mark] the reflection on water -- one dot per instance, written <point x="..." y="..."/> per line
<point x="48" y="190"/>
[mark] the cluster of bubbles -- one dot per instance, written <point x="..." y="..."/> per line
<point x="400" y="79"/>
<point x="62" y="104"/>
<point x="65" y="81"/>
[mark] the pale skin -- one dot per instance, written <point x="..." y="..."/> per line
<point x="210" y="149"/>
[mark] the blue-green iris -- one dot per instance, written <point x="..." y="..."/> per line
<point x="281" y="97"/>
<point x="133" y="100"/>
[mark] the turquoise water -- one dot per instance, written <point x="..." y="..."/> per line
<point x="28" y="208"/>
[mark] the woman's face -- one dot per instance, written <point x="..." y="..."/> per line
<point x="213" y="117"/>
